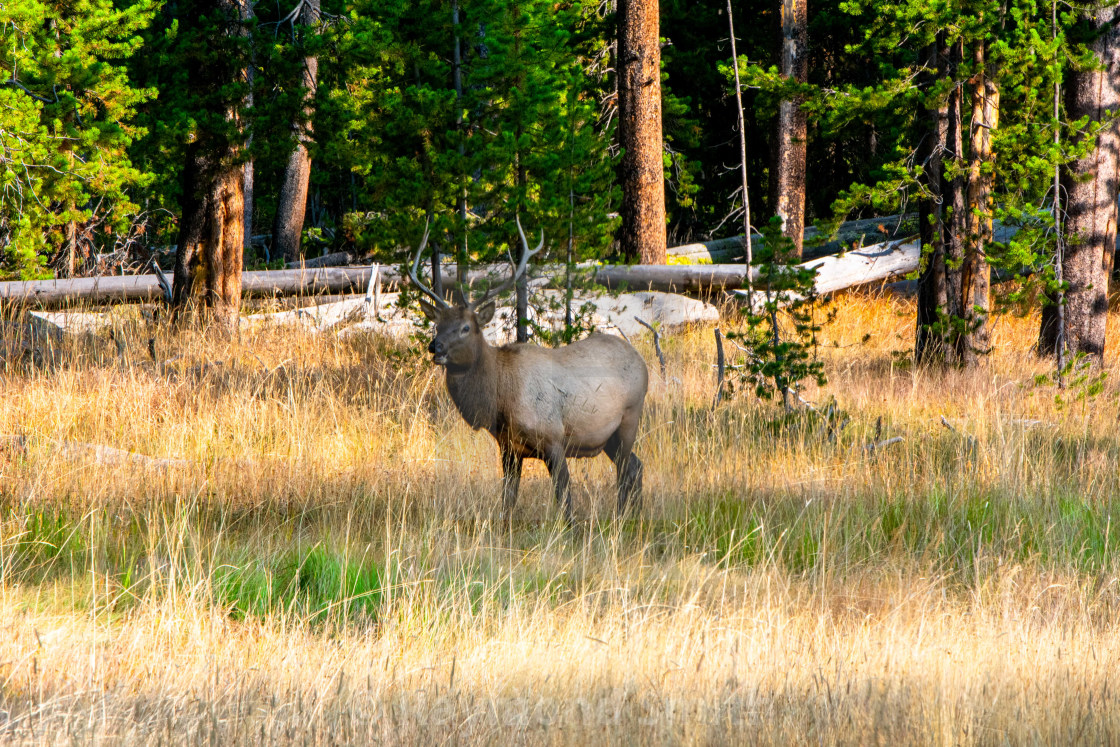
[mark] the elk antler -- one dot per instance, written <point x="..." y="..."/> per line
<point x="416" y="266"/>
<point x="517" y="272"/>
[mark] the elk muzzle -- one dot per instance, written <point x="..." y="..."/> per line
<point x="439" y="352"/>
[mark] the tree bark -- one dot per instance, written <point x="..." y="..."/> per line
<point x="793" y="125"/>
<point x="973" y="336"/>
<point x="292" y="208"/>
<point x="1090" y="184"/>
<point x="929" y="343"/>
<point x="642" y="235"/>
<point x="209" y="259"/>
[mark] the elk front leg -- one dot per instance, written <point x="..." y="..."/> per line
<point x="558" y="469"/>
<point x="511" y="480"/>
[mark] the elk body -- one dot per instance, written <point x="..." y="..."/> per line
<point x="548" y="404"/>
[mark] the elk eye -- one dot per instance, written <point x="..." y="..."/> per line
<point x="466" y="329"/>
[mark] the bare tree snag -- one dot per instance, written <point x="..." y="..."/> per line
<point x="642" y="235"/>
<point x="1090" y="184"/>
<point x="748" y="249"/>
<point x="793" y="125"/>
<point x="929" y="343"/>
<point x="292" y="207"/>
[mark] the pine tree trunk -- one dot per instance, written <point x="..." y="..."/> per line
<point x="192" y="224"/>
<point x="793" y="125"/>
<point x="642" y="235"/>
<point x="929" y="344"/>
<point x="211" y="245"/>
<point x="968" y="226"/>
<point x="1090" y="184"/>
<point x="247" y="17"/>
<point x="288" y="225"/>
<point x="974" y="338"/>
<point x="223" y="252"/>
<point x="247" y="220"/>
<point x="953" y="197"/>
<point x="71" y="247"/>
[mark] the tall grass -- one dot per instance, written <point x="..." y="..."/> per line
<point x="322" y="561"/>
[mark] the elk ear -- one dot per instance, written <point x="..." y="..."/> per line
<point x="430" y="311"/>
<point x="485" y="313"/>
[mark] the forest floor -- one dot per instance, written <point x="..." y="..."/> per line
<point x="319" y="560"/>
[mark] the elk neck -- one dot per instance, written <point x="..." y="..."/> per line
<point x="474" y="389"/>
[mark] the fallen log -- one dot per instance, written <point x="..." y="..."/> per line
<point x="336" y="259"/>
<point x="119" y="288"/>
<point x="98" y="453"/>
<point x="674" y="278"/>
<point x="853" y="232"/>
<point x="870" y="264"/>
<point x="306" y="281"/>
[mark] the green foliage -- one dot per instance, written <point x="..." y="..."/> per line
<point x="67" y="120"/>
<point x="734" y="531"/>
<point x="1078" y="380"/>
<point x="579" y="326"/>
<point x="1024" y="58"/>
<point x="522" y="136"/>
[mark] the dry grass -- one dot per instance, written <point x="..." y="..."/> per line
<point x="325" y="566"/>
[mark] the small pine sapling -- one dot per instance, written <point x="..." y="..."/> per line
<point x="779" y="342"/>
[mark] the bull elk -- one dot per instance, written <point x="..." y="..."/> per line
<point x="541" y="403"/>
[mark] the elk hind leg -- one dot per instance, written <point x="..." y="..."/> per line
<point x="558" y="468"/>
<point x="628" y="468"/>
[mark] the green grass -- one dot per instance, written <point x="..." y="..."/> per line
<point x="317" y="586"/>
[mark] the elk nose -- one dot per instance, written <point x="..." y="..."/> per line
<point x="436" y="348"/>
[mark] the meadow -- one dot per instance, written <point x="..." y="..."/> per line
<point x="314" y="553"/>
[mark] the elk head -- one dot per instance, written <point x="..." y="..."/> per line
<point x="458" y="340"/>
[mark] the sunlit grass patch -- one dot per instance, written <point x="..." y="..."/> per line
<point x="314" y="586"/>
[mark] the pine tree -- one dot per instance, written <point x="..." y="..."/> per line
<point x="210" y="251"/>
<point x="67" y="119"/>
<point x="970" y="79"/>
<point x="287" y="225"/>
